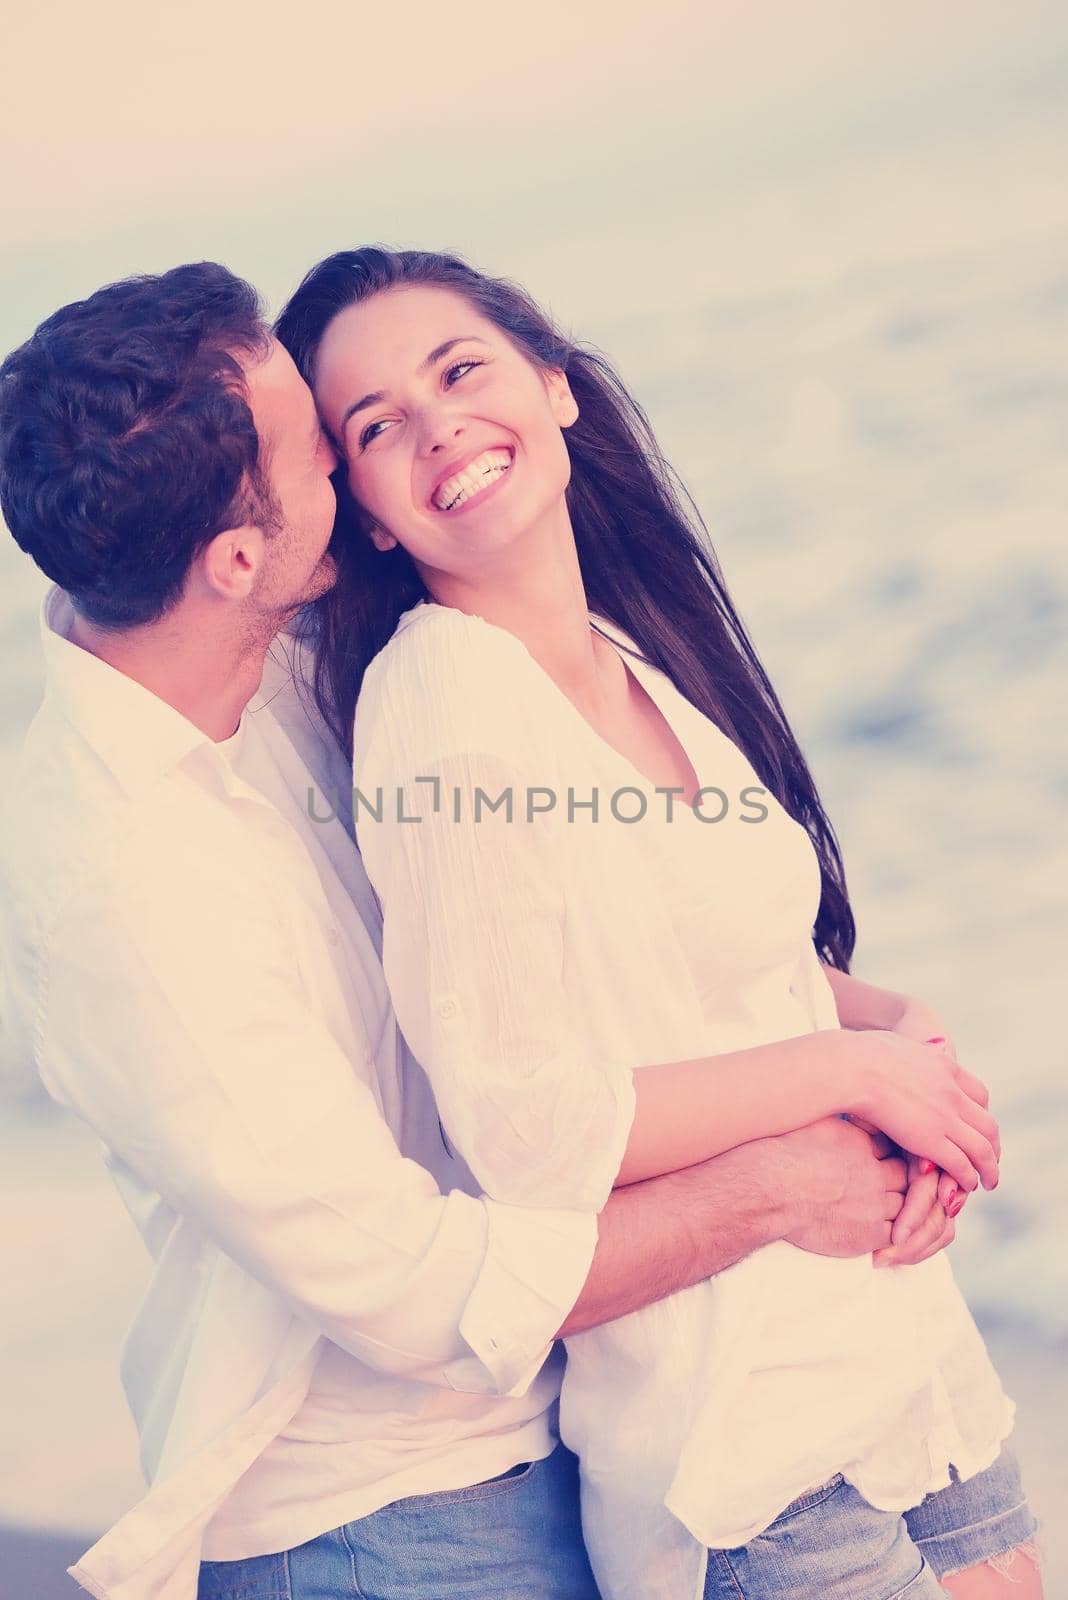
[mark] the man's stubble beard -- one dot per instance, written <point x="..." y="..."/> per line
<point x="321" y="581"/>
<point x="262" y="623"/>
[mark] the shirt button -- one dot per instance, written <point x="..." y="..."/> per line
<point x="333" y="937"/>
<point x="447" y="1010"/>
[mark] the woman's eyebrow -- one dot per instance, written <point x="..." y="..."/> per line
<point x="443" y="349"/>
<point x="436" y="354"/>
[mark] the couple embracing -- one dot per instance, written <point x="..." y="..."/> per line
<point x="538" y="1208"/>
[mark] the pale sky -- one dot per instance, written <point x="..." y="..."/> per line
<point x="140" y="135"/>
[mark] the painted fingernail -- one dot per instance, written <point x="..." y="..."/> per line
<point x="925" y="1165"/>
<point x="939" y="1038"/>
<point x="954" y="1207"/>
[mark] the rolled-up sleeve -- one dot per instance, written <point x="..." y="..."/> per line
<point x="474" y="904"/>
<point x="177" y="1019"/>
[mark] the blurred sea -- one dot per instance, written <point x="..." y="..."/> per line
<point x="861" y="371"/>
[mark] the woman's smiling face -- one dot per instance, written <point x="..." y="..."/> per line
<point x="451" y="437"/>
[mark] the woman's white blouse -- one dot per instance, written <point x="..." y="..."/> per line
<point x="538" y="946"/>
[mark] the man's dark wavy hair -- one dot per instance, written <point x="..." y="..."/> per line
<point x="647" y="562"/>
<point x="126" y="438"/>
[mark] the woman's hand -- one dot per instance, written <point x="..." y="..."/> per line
<point x="926" y="1102"/>
<point x="922" y="1022"/>
<point x="923" y="1226"/>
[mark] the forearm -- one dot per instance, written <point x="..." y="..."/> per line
<point x="690" y="1111"/>
<point x="670" y="1232"/>
<point x="863" y="1005"/>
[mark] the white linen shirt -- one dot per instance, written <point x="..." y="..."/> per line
<point x="534" y="963"/>
<point x="197" y="976"/>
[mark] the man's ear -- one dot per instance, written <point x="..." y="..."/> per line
<point x="381" y="539"/>
<point x="564" y="405"/>
<point x="230" y="563"/>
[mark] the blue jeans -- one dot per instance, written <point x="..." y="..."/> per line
<point x="517" y="1537"/>
<point x="834" y="1545"/>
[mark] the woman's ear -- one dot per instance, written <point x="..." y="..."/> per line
<point x="381" y="539"/>
<point x="564" y="405"/>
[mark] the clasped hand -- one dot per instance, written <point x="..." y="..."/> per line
<point x="933" y="1199"/>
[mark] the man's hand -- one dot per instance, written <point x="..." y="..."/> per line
<point x="844" y="1187"/>
<point x="855" y="1193"/>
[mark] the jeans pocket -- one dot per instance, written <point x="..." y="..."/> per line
<point x="506" y="1482"/>
<point x="924" y="1586"/>
<point x="811" y="1498"/>
<point x="258" y="1578"/>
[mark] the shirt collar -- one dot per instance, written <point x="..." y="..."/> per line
<point x="610" y="628"/>
<point x="138" y="736"/>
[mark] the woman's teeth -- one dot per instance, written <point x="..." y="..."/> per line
<point x="491" y="464"/>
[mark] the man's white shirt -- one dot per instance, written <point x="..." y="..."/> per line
<point x="192" y="962"/>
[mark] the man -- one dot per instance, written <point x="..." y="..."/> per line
<point x="344" y="1365"/>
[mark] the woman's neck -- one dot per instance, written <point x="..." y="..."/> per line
<point x="542" y="600"/>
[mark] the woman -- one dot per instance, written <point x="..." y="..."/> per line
<point x="551" y="682"/>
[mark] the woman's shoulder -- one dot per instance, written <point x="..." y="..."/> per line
<point x="447" y="680"/>
<point x="436" y="651"/>
<point x="430" y="627"/>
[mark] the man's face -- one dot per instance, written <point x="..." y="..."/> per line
<point x="298" y="460"/>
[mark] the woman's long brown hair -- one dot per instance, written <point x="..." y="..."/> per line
<point x="647" y="562"/>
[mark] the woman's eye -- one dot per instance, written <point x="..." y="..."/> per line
<point x="371" y="432"/>
<point x="458" y="370"/>
<point x="452" y="375"/>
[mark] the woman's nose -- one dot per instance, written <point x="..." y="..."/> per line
<point x="439" y="432"/>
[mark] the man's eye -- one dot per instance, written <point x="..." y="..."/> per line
<point x="457" y="371"/>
